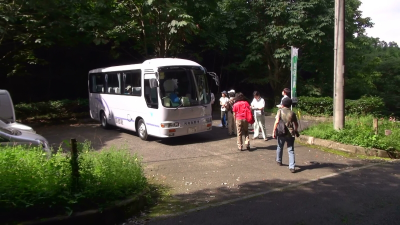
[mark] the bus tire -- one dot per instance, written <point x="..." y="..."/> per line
<point x="103" y="120"/>
<point x="142" y="130"/>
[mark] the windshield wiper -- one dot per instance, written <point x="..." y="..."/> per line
<point x="179" y="106"/>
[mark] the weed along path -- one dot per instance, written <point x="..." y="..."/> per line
<point x="205" y="169"/>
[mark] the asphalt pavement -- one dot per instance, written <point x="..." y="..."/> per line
<point x="225" y="186"/>
<point x="366" y="195"/>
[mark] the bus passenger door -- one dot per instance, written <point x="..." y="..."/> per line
<point x="151" y="93"/>
<point x="151" y="97"/>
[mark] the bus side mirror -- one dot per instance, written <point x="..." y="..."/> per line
<point x="215" y="77"/>
<point x="153" y="83"/>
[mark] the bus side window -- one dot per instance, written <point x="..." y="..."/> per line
<point x="150" y="95"/>
<point x="132" y="83"/>
<point x="96" y="83"/>
<point x="113" y="83"/>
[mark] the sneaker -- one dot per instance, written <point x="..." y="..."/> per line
<point x="248" y="147"/>
<point x="279" y="163"/>
<point x="292" y="170"/>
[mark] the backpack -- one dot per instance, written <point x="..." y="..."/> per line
<point x="229" y="105"/>
<point x="249" y="116"/>
<point x="281" y="129"/>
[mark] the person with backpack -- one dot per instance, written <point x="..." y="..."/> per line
<point x="257" y="105"/>
<point x="241" y="110"/>
<point x="285" y="130"/>
<point x="231" y="123"/>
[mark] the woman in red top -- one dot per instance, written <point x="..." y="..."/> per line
<point x="239" y="112"/>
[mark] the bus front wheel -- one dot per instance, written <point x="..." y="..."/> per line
<point x="103" y="120"/>
<point x="142" y="130"/>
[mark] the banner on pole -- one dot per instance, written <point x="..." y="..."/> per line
<point x="294" y="57"/>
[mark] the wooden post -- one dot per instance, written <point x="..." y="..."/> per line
<point x="376" y="126"/>
<point x="74" y="165"/>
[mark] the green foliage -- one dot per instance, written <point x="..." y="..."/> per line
<point x="52" y="109"/>
<point x="359" y="131"/>
<point x="365" y="106"/>
<point x="244" y="41"/>
<point x="316" y="106"/>
<point x="323" y="106"/>
<point x="33" y="185"/>
<point x="27" y="25"/>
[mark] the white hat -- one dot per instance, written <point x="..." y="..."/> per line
<point x="231" y="91"/>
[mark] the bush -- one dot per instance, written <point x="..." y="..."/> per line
<point x="359" y="131"/>
<point x="365" y="106"/>
<point x="33" y="185"/>
<point x="315" y="106"/>
<point x="323" y="106"/>
<point x="52" y="109"/>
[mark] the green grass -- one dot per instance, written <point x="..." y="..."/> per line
<point x="359" y="131"/>
<point x="344" y="154"/>
<point x="33" y="186"/>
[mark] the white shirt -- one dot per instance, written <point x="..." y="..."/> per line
<point x="223" y="101"/>
<point x="258" y="104"/>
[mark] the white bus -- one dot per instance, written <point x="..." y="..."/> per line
<point x="163" y="97"/>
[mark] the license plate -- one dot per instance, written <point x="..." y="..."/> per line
<point x="192" y="130"/>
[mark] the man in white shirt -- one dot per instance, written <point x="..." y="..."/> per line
<point x="286" y="94"/>
<point x="258" y="105"/>
<point x="222" y="101"/>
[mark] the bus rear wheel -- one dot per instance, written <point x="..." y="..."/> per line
<point x="142" y="130"/>
<point x="103" y="120"/>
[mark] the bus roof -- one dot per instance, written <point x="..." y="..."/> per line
<point x="148" y="64"/>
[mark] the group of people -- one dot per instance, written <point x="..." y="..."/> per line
<point x="234" y="107"/>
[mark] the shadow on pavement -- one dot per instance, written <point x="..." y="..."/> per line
<point x="215" y="134"/>
<point x="98" y="136"/>
<point x="367" y="196"/>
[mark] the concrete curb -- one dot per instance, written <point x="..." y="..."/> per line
<point x="307" y="117"/>
<point x="111" y="215"/>
<point x="348" y="148"/>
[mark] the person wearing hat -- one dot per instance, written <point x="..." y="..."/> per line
<point x="290" y="120"/>
<point x="222" y="101"/>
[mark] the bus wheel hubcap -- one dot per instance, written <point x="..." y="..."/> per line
<point x="142" y="130"/>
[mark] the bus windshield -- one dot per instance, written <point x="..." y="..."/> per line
<point x="183" y="86"/>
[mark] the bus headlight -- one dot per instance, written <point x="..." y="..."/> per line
<point x="169" y="125"/>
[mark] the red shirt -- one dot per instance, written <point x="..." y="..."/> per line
<point x="239" y="108"/>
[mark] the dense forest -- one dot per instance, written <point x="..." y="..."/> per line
<point x="47" y="47"/>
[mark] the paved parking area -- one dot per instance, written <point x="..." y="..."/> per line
<point x="207" y="168"/>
